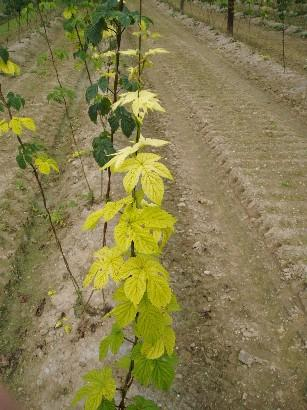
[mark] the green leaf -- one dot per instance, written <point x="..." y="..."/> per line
<point x="4" y="54"/>
<point x="91" y="92"/>
<point x="80" y="54"/>
<point x="163" y="372"/>
<point x="127" y="122"/>
<point x="140" y="403"/>
<point x="58" y="94"/>
<point x="100" y="385"/>
<point x="102" y="107"/>
<point x="93" y="33"/>
<point x="107" y="405"/>
<point x="114" y="122"/>
<point x="124" y="313"/>
<point x="93" y="113"/>
<point x="21" y="161"/>
<point x="103" y="83"/>
<point x="102" y="149"/>
<point x="142" y="370"/>
<point x="112" y="342"/>
<point x="15" y="101"/>
<point x="127" y="84"/>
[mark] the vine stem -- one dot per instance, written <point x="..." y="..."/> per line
<point x="64" y="99"/>
<point x="129" y="377"/>
<point x="43" y="195"/>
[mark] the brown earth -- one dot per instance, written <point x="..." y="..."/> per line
<point x="238" y="259"/>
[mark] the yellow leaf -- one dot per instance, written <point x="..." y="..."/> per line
<point x="131" y="179"/>
<point x="108" y="263"/>
<point x="130" y="52"/>
<point x="92" y="219"/>
<point x="28" y="123"/>
<point x="135" y="287"/>
<point x="154" y="51"/>
<point x="107" y="212"/>
<point x="153" y="350"/>
<point x="68" y="328"/>
<point x="45" y="164"/>
<point x="9" y="68"/>
<point x="141" y="102"/>
<point x="153" y="186"/>
<point x="158" y="290"/>
<point x="18" y="123"/>
<point x="4" y="127"/>
<point x="51" y="292"/>
<point x="124" y="313"/>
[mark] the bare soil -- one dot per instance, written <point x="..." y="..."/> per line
<point x="238" y="260"/>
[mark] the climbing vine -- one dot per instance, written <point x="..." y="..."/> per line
<point x="144" y="301"/>
<point x="30" y="154"/>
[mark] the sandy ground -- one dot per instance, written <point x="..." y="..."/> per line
<point x="238" y="260"/>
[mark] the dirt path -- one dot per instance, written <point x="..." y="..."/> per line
<point x="239" y="155"/>
<point x="237" y="260"/>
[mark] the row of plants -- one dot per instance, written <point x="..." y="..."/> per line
<point x="142" y="335"/>
<point x="212" y="10"/>
<point x="22" y="16"/>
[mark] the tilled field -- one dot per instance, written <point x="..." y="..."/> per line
<point x="238" y="147"/>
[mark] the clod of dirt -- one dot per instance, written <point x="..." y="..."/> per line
<point x="40" y="307"/>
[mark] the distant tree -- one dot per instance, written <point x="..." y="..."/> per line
<point x="182" y="6"/>
<point x="230" y="16"/>
<point x="282" y="9"/>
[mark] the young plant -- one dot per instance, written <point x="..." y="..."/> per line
<point x="30" y="153"/>
<point x="144" y="301"/>
<point x="108" y="22"/>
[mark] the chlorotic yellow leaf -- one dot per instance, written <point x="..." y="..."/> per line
<point x="28" y="123"/>
<point x="45" y="164"/>
<point x="67" y="13"/>
<point x="107" y="212"/>
<point x="129" y="52"/>
<point x="153" y="350"/>
<point x="135" y="287"/>
<point x="154" y="51"/>
<point x="131" y="179"/>
<point x="92" y="219"/>
<point x="165" y="343"/>
<point x="151" y="321"/>
<point x="153" y="187"/>
<point x="17" y="124"/>
<point x="158" y="290"/>
<point x="169" y="339"/>
<point x="108" y="263"/>
<point x="4" y="127"/>
<point x="67" y="328"/>
<point x="124" y="313"/>
<point x="163" y="171"/>
<point x="9" y="68"/>
<point x="141" y="102"/>
<point x="100" y="275"/>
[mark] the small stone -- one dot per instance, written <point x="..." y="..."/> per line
<point x="244" y="396"/>
<point x="246" y="358"/>
<point x="197" y="246"/>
